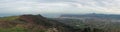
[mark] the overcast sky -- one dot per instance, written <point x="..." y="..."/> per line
<point x="59" y="6"/>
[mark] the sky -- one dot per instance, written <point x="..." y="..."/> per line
<point x="59" y="6"/>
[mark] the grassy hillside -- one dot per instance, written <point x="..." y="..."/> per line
<point x="32" y="23"/>
<point x="14" y="24"/>
<point x="37" y="23"/>
<point x="10" y="18"/>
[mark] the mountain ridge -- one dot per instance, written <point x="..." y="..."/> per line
<point x="92" y="15"/>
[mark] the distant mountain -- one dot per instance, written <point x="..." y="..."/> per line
<point x="92" y="15"/>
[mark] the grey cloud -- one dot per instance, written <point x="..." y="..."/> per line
<point x="58" y="6"/>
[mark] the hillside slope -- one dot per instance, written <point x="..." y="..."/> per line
<point x="38" y="23"/>
<point x="32" y="23"/>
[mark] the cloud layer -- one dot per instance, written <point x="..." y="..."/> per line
<point x="59" y="6"/>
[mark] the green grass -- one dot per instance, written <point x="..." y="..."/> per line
<point x="18" y="29"/>
<point x="14" y="29"/>
<point x="11" y="18"/>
